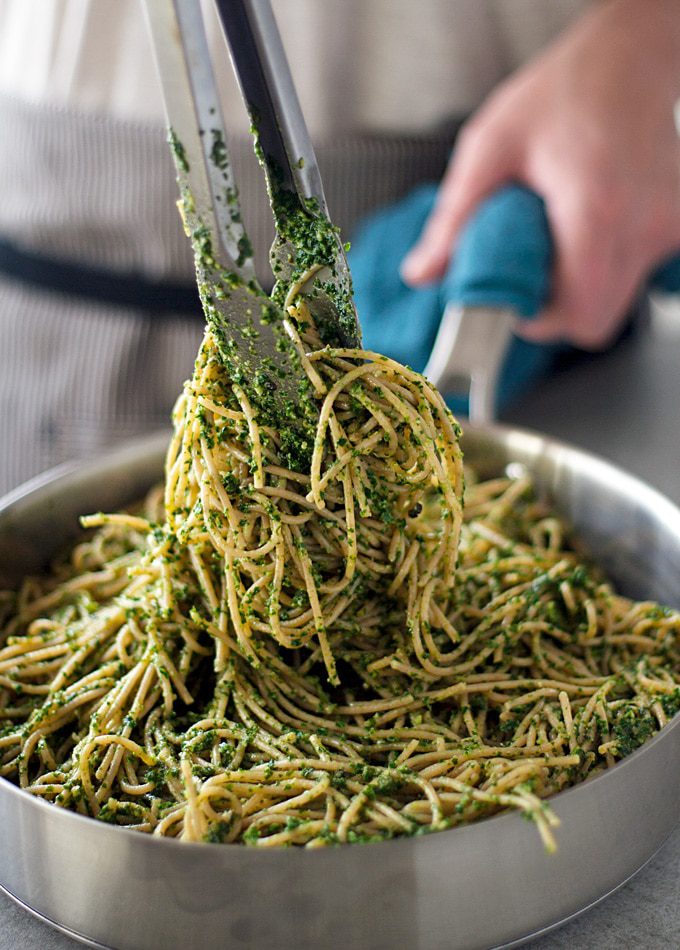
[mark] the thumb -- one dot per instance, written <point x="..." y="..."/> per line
<point x="480" y="163"/>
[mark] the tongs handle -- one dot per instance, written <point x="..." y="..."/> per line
<point x="198" y="134"/>
<point x="266" y="83"/>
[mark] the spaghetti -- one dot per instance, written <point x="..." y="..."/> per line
<point x="273" y="657"/>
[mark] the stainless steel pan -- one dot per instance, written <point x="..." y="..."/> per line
<point x="486" y="885"/>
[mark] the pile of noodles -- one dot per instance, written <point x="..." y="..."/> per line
<point x="274" y="657"/>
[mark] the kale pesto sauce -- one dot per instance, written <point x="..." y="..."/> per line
<point x="239" y="313"/>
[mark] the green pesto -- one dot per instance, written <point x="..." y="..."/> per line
<point x="238" y="312"/>
<point x="633" y="726"/>
<point x="315" y="240"/>
<point x="306" y="238"/>
<point x="178" y="152"/>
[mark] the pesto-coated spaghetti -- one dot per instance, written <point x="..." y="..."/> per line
<point x="278" y="657"/>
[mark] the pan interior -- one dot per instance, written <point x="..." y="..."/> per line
<point x="629" y="529"/>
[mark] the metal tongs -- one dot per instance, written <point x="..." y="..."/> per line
<point x="249" y="325"/>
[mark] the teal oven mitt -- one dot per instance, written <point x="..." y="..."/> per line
<point x="503" y="259"/>
<point x="667" y="277"/>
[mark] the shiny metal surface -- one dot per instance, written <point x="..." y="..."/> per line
<point x="481" y="886"/>
<point x="191" y="99"/>
<point x="289" y="162"/>
<point x="264" y="77"/>
<point x="238" y="310"/>
<point x="468" y="353"/>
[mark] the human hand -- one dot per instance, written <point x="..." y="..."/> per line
<point x="588" y="125"/>
<point x="403" y="322"/>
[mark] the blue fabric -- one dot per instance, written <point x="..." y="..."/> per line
<point x="667" y="277"/>
<point x="503" y="259"/>
<point x="504" y="254"/>
<point x="402" y="322"/>
<point x="395" y="319"/>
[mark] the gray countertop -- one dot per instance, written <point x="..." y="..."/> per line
<point x="625" y="406"/>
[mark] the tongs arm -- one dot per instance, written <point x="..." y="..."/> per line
<point x="266" y="84"/>
<point x="308" y="246"/>
<point x="197" y="133"/>
<point x="249" y="328"/>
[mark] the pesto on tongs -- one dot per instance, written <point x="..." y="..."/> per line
<point x="247" y="323"/>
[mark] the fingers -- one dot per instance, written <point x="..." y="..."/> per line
<point x="481" y="162"/>
<point x="596" y="277"/>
